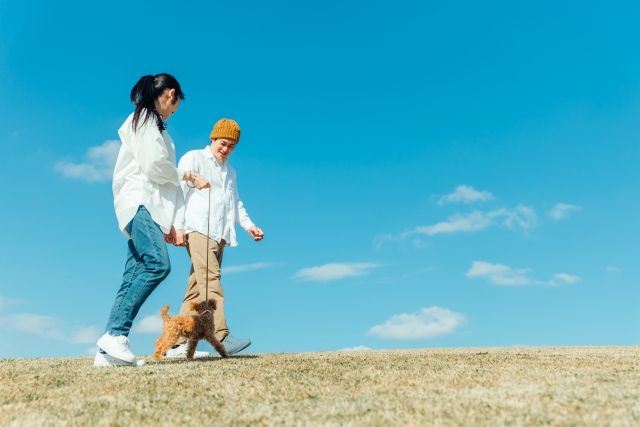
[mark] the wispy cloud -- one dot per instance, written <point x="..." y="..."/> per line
<point x="562" y="211"/>
<point x="567" y="278"/>
<point x="36" y="324"/>
<point x="613" y="270"/>
<point x="429" y="322"/>
<point x="465" y="195"/>
<point x="151" y="324"/>
<point x="7" y="302"/>
<point x="245" y="267"/>
<point x="335" y="271"/>
<point x="504" y="275"/>
<point x="356" y="348"/>
<point x="99" y="165"/>
<point x="499" y="274"/>
<point x="45" y="326"/>
<point x="521" y="217"/>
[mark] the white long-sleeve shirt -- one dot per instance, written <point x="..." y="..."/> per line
<point x="226" y="207"/>
<point x="145" y="174"/>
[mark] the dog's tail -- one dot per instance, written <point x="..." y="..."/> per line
<point x="165" y="313"/>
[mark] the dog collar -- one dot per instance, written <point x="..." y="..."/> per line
<point x="206" y="311"/>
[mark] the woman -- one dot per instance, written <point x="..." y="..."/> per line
<point x="148" y="200"/>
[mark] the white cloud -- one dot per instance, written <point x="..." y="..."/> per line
<point x="7" y="302"/>
<point x="356" y="348"/>
<point x="381" y="238"/>
<point x="99" y="166"/>
<point x="45" y="326"/>
<point x="87" y="335"/>
<point x="36" y="324"/>
<point x="425" y="323"/>
<point x="245" y="267"/>
<point x="151" y="324"/>
<point x="567" y="278"/>
<point x="335" y="271"/>
<point x="504" y="275"/>
<point x="499" y="274"/>
<point x="465" y="195"/>
<point x="93" y="350"/>
<point x="613" y="270"/>
<point x="562" y="211"/>
<point x="521" y="216"/>
<point x="48" y="327"/>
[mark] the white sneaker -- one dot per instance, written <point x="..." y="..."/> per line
<point x="234" y="345"/>
<point x="181" y="351"/>
<point x="103" y="359"/>
<point x="117" y="346"/>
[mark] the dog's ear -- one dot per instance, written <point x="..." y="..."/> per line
<point x="192" y="306"/>
<point x="212" y="302"/>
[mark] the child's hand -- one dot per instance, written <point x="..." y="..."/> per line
<point x="180" y="238"/>
<point x="256" y="233"/>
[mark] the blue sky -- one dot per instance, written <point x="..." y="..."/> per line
<point x="426" y="174"/>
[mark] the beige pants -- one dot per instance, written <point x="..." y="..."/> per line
<point x="196" y="291"/>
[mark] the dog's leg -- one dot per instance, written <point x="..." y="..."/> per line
<point x="164" y="343"/>
<point x="191" y="349"/>
<point x="161" y="346"/>
<point x="211" y="339"/>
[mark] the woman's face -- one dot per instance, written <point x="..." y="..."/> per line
<point x="165" y="106"/>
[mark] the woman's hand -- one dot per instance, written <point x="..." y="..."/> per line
<point x="171" y="237"/>
<point x="180" y="238"/>
<point x="256" y="233"/>
<point x="198" y="181"/>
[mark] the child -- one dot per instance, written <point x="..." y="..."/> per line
<point x="224" y="209"/>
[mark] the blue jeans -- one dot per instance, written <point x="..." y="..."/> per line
<point x="147" y="266"/>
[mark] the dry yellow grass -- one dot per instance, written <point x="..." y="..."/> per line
<point x="443" y="387"/>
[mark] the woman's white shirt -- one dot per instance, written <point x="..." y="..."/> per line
<point x="226" y="207"/>
<point x="145" y="174"/>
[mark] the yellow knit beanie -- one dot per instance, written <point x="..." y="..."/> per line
<point x="226" y="128"/>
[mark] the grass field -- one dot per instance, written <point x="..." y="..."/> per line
<point x="557" y="386"/>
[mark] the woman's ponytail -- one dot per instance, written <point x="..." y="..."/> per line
<point x="145" y="93"/>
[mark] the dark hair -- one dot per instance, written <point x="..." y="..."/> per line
<point x="144" y="95"/>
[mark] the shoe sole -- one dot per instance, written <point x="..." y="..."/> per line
<point x="132" y="363"/>
<point x="105" y="364"/>
<point x="184" y="357"/>
<point x="118" y="365"/>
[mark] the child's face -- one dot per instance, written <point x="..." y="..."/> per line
<point x="222" y="147"/>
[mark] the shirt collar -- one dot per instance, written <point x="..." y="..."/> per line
<point x="209" y="155"/>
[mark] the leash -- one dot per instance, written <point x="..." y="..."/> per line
<point x="206" y="297"/>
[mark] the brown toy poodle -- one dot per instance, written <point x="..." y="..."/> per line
<point x="192" y="327"/>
